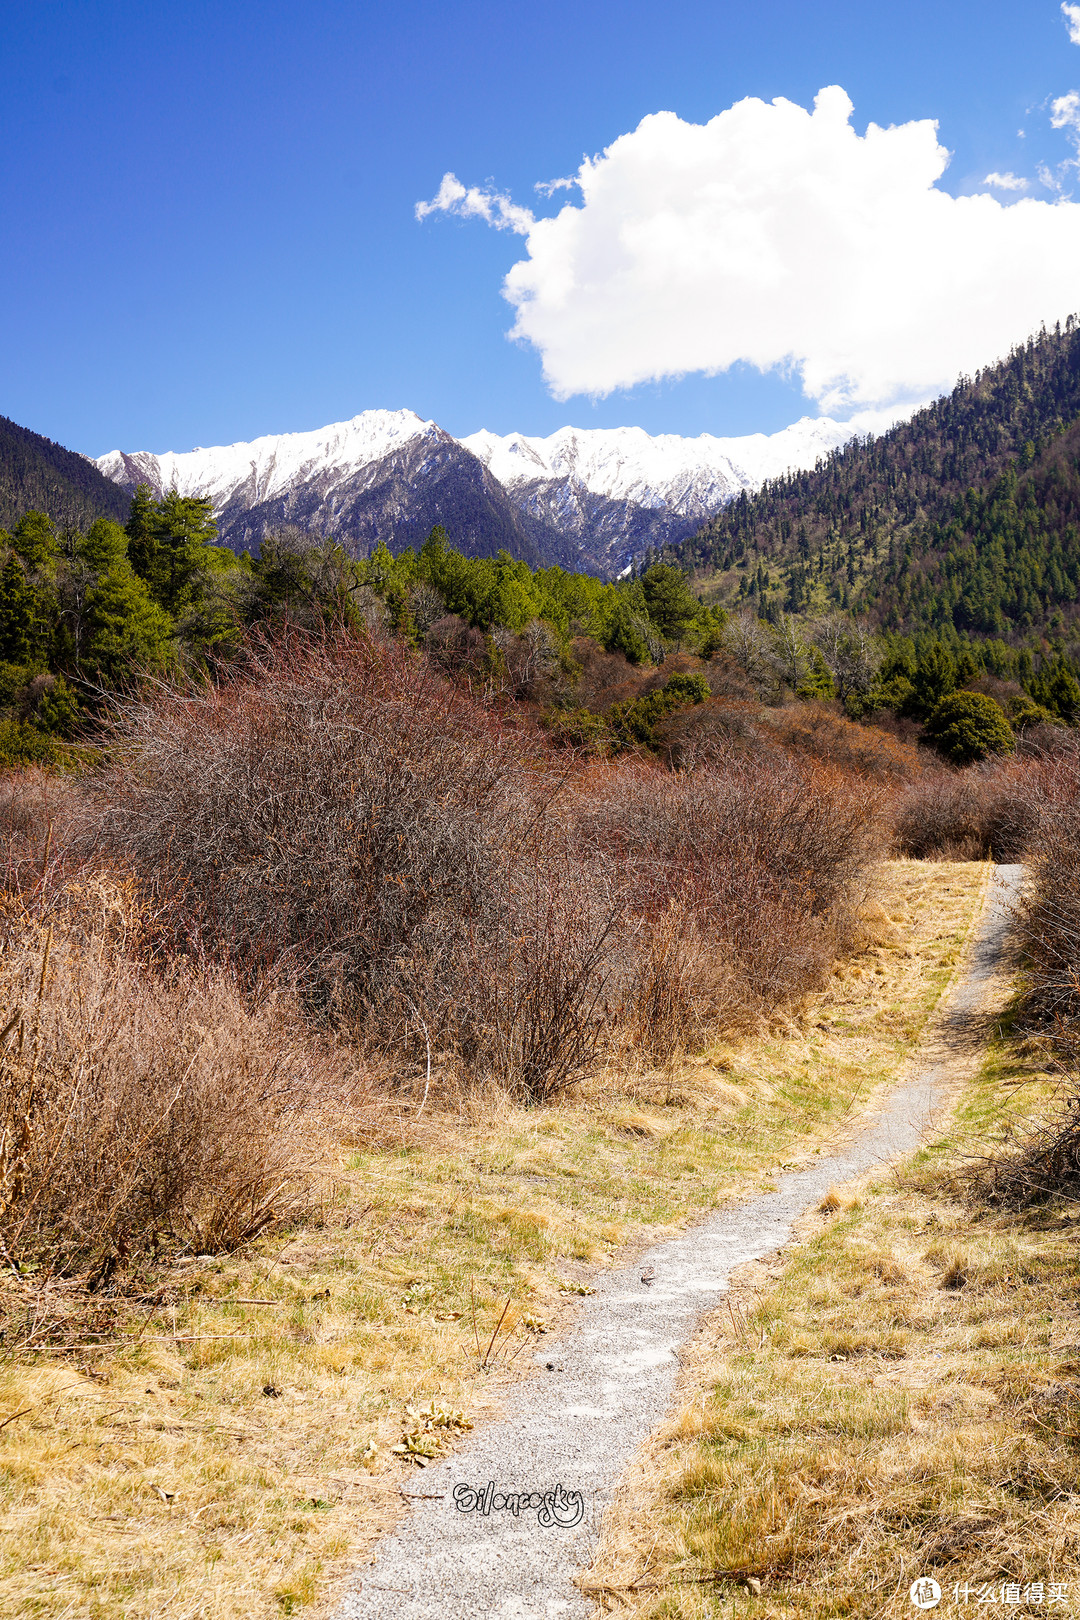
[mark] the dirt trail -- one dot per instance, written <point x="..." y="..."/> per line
<point x="570" y="1431"/>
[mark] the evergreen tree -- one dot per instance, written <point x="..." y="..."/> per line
<point x="671" y="604"/>
<point x="20" y="630"/>
<point x="934" y="679"/>
<point x="169" y="541"/>
<point x="967" y="726"/>
<point x="125" y="628"/>
<point x="34" y="539"/>
<point x="103" y="547"/>
<point x="142" y="533"/>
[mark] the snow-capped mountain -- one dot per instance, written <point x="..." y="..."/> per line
<point x="384" y="475"/>
<point x="617" y="491"/>
<point x="584" y="497"/>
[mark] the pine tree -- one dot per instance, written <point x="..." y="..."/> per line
<point x="34" y="539"/>
<point x="168" y="543"/>
<point x="20" y="631"/>
<point x="125" y="628"/>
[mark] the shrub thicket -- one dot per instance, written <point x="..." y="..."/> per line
<point x="341" y="812"/>
<point x="978" y="814"/>
<point x="337" y="850"/>
<point x="1048" y="930"/>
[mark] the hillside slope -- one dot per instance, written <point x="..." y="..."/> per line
<point x="962" y="520"/>
<point x="40" y="476"/>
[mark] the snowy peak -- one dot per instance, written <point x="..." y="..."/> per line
<point x="687" y="476"/>
<point x="690" y="477"/>
<point x="583" y="497"/>
<point x="271" y="466"/>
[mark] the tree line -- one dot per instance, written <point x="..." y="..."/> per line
<point x="85" y="614"/>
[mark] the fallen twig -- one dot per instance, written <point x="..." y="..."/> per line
<point x="742" y="1576"/>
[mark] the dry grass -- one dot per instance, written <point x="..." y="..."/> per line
<point x="898" y="1395"/>
<point x="157" y="1475"/>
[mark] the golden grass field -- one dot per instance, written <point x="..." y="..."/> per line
<point x="242" y="1431"/>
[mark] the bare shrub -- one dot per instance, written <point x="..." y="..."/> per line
<point x="983" y="812"/>
<point x="340" y="817"/>
<point x="455" y="648"/>
<point x="532" y="1018"/>
<point x="325" y="809"/>
<point x="36" y="810"/>
<point x="1048" y="933"/>
<point x="341" y="814"/>
<point x="604" y="678"/>
<point x="742" y="880"/>
<point x="817" y="731"/>
<point x="138" y="1108"/>
<point x="1049" y="923"/>
<point x="710" y="734"/>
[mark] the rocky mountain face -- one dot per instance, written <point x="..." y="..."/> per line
<point x="617" y="491"/>
<point x="384" y="475"/>
<point x="589" y="499"/>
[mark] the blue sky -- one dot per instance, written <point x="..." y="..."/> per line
<point x="208" y="209"/>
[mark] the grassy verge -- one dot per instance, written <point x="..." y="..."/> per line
<point x="899" y="1396"/>
<point x="244" y="1426"/>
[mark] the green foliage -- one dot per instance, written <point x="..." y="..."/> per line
<point x="34" y="540"/>
<point x="817" y="682"/>
<point x="670" y="603"/>
<point x="687" y="688"/>
<point x="38" y="475"/>
<point x="14" y="678"/>
<point x="104" y="546"/>
<point x="169" y="542"/>
<point x="964" y="521"/>
<point x="967" y="726"/>
<point x="934" y="678"/>
<point x="1057" y="689"/>
<point x="636" y="720"/>
<point x="22" y="744"/>
<point x="21" y="628"/>
<point x="126" y="629"/>
<point x="578" y="728"/>
<point x="625" y="633"/>
<point x="1023" y="712"/>
<point x="57" y="710"/>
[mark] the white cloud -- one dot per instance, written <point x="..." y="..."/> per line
<point x="548" y="188"/>
<point x="1072" y="22"/>
<point x="781" y="238"/>
<point x="473" y="202"/>
<point x="1065" y="111"/>
<point x="1006" y="182"/>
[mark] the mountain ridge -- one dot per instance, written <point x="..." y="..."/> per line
<point x="37" y="474"/>
<point x="963" y="519"/>
<point x="591" y="498"/>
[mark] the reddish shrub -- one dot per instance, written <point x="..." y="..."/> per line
<point x="815" y="730"/>
<point x="738" y="881"/>
<point x="339" y="814"/>
<point x="986" y="811"/>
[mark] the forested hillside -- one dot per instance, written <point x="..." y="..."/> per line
<point x="963" y="521"/>
<point x="38" y="475"/>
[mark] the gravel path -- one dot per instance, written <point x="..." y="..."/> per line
<point x="568" y="1432"/>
